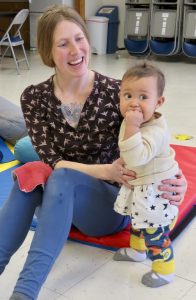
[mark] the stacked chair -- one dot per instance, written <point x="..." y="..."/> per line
<point x="189" y="28"/>
<point x="166" y="27"/>
<point x="137" y="27"/>
<point x="160" y="27"/>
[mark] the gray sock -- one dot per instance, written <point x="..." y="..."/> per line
<point x="129" y="254"/>
<point x="154" y="280"/>
<point x="19" y="296"/>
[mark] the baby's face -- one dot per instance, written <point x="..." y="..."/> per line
<point x="140" y="94"/>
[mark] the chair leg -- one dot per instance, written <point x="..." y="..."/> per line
<point x="4" y="53"/>
<point x="15" y="59"/>
<point x="27" y="62"/>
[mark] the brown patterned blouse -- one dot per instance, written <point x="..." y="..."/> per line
<point x="93" y="141"/>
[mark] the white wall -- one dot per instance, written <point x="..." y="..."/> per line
<point x="91" y="8"/>
<point x="68" y="2"/>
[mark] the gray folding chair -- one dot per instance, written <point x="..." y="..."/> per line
<point x="166" y="27"/>
<point x="189" y="28"/>
<point x="12" y="38"/>
<point x="137" y="27"/>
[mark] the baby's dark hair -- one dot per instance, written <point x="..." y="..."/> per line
<point x="146" y="70"/>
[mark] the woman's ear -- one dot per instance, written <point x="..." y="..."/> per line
<point x="160" y="101"/>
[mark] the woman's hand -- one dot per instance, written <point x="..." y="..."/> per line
<point x="118" y="173"/>
<point x="174" y="189"/>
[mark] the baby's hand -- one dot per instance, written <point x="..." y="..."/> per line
<point x="134" y="118"/>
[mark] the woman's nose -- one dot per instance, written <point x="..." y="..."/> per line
<point x="73" y="48"/>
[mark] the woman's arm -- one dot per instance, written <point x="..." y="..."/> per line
<point x="114" y="172"/>
<point x="39" y="130"/>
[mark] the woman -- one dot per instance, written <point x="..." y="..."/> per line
<point x="73" y="120"/>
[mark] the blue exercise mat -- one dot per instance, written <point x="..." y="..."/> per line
<point x="6" y="153"/>
<point x="1" y="156"/>
<point x="6" y="181"/>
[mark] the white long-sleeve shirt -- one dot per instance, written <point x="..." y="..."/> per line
<point x="148" y="154"/>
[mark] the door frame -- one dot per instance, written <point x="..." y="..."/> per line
<point x="79" y="5"/>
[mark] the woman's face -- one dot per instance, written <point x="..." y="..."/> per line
<point x="71" y="49"/>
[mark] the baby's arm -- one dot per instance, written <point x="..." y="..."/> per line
<point x="133" y="120"/>
<point x="138" y="145"/>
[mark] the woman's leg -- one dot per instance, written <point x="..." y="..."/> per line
<point x="69" y="197"/>
<point x="15" y="220"/>
<point x="94" y="213"/>
<point x="24" y="151"/>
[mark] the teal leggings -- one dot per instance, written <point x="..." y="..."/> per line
<point x="70" y="197"/>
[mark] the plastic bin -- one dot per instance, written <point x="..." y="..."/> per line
<point x="111" y="12"/>
<point x="98" y="28"/>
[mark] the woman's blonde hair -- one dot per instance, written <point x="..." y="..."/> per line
<point x="47" y="24"/>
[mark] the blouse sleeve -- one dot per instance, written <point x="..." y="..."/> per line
<point x="35" y="115"/>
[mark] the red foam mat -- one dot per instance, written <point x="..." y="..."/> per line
<point x="186" y="157"/>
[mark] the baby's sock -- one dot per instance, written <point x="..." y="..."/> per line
<point x="153" y="279"/>
<point x="129" y="254"/>
<point x="19" y="296"/>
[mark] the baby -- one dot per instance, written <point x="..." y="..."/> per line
<point x="144" y="147"/>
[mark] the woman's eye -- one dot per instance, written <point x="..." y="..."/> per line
<point x="63" y="45"/>
<point x="79" y="38"/>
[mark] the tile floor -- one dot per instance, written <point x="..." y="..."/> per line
<point x="87" y="273"/>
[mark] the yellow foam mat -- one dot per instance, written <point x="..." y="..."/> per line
<point x="8" y="165"/>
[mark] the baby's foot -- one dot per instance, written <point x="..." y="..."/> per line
<point x="153" y="279"/>
<point x="129" y="254"/>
